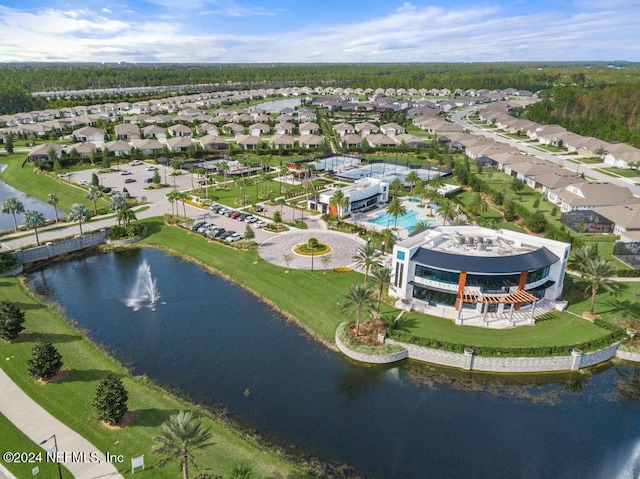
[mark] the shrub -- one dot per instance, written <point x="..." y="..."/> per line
<point x="110" y="401"/>
<point x="8" y="261"/>
<point x="45" y="361"/>
<point x="11" y="320"/>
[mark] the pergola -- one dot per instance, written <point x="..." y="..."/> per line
<point x="513" y="298"/>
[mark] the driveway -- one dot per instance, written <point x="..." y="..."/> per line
<point x="343" y="248"/>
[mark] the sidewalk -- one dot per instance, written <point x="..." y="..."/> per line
<point x="39" y="425"/>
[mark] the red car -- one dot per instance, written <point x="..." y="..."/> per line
<point x="234" y="215"/>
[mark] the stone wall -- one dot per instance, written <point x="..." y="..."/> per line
<point x="628" y="355"/>
<point x="370" y="358"/>
<point x="470" y="361"/>
<point x="51" y="250"/>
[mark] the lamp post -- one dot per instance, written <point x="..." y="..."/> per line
<point x="55" y="446"/>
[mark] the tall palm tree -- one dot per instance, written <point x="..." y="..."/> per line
<point x="117" y="203"/>
<point x="173" y="196"/>
<point x="33" y="219"/>
<point x="477" y="205"/>
<point x="447" y="210"/>
<point x="396" y="186"/>
<point x="387" y="238"/>
<point x="181" y="435"/>
<point x="183" y="196"/>
<point x="412" y="178"/>
<point x="395" y="209"/>
<point x="598" y="272"/>
<point x="53" y="200"/>
<point x="79" y="213"/>
<point x="381" y="277"/>
<point x="581" y="254"/>
<point x="126" y="216"/>
<point x="94" y="194"/>
<point x="367" y="256"/>
<point x="224" y="167"/>
<point x="358" y="298"/>
<point x="12" y="205"/>
<point x="340" y="201"/>
<point x="436" y="182"/>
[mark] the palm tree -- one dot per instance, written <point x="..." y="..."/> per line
<point x="13" y="206"/>
<point x="598" y="272"/>
<point x="387" y="238"/>
<point x="224" y="167"/>
<point x="94" y="194"/>
<point x="436" y="182"/>
<point x="79" y="213"/>
<point x="183" y="196"/>
<point x="340" y="201"/>
<point x="325" y="260"/>
<point x="367" y="256"/>
<point x="173" y="196"/>
<point x="412" y="178"/>
<point x="358" y="298"/>
<point x="117" y="203"/>
<point x="421" y="225"/>
<point x="33" y="219"/>
<point x="447" y="210"/>
<point x="395" y="209"/>
<point x="381" y="278"/>
<point x="477" y="204"/>
<point x="53" y="200"/>
<point x="180" y="436"/>
<point x="126" y="216"/>
<point x="396" y="186"/>
<point x="581" y="254"/>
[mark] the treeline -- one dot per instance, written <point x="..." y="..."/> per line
<point x="609" y="113"/>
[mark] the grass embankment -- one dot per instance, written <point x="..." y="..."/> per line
<point x="69" y="399"/>
<point x="13" y="440"/>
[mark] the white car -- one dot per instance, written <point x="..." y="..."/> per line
<point x="234" y="237"/>
<point x="135" y="163"/>
<point x="151" y="168"/>
<point x="125" y="172"/>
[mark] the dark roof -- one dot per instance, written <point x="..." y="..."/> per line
<point x="485" y="264"/>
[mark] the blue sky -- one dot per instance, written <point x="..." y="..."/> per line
<point x="247" y="31"/>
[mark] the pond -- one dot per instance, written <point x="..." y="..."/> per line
<point x="216" y="343"/>
<point x="6" y="219"/>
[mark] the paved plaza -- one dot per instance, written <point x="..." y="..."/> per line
<point x="343" y="248"/>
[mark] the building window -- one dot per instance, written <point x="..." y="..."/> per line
<point x="400" y="255"/>
<point x="436" y="297"/>
<point x="433" y="274"/>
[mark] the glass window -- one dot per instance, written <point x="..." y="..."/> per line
<point x="433" y="274"/>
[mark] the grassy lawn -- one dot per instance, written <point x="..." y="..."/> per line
<point x="558" y="329"/>
<point x="591" y="160"/>
<point x="16" y="441"/>
<point x="551" y="148"/>
<point x="624" y="303"/>
<point x="70" y="398"/>
<point x="618" y="172"/>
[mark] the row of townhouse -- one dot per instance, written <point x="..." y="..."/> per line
<point x="619" y="155"/>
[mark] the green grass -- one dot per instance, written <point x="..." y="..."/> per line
<point x="558" y="329"/>
<point x="618" y="172"/>
<point x="551" y="148"/>
<point x="591" y="160"/>
<point x="15" y="441"/>
<point x="70" y="398"/>
<point x="623" y="303"/>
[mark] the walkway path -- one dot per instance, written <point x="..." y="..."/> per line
<point x="39" y="425"/>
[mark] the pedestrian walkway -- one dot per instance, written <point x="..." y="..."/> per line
<point x="39" y="425"/>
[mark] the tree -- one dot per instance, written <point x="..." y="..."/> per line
<point x="8" y="145"/>
<point x="94" y="194"/>
<point x="288" y="258"/>
<point x="117" y="203"/>
<point x="249" y="234"/>
<point x="367" y="256"/>
<point x="598" y="272"/>
<point x="173" y="196"/>
<point x="358" y="298"/>
<point x="517" y="184"/>
<point x="436" y="182"/>
<point x="510" y="211"/>
<point x="11" y="320"/>
<point x="181" y="435"/>
<point x="325" y="260"/>
<point x="241" y="471"/>
<point x="412" y="178"/>
<point x="387" y="238"/>
<point x="155" y="179"/>
<point x="95" y="181"/>
<point x="13" y="206"/>
<point x="79" y="213"/>
<point x="183" y="196"/>
<point x="33" y="220"/>
<point x="396" y="186"/>
<point x="381" y="277"/>
<point x="45" y="361"/>
<point x="277" y="217"/>
<point x="110" y="401"/>
<point x="53" y="200"/>
<point x="125" y="216"/>
<point x="581" y="254"/>
<point x="421" y="225"/>
<point x="477" y="205"/>
<point x="395" y="209"/>
<point x="339" y="201"/>
<point x="537" y="222"/>
<point x="447" y="210"/>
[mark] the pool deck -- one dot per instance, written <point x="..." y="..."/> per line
<point x="362" y="219"/>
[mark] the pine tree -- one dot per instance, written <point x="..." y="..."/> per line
<point x="110" y="401"/>
<point x="11" y="320"/>
<point x="45" y="361"/>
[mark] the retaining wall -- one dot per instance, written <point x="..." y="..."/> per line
<point x="628" y="355"/>
<point x="51" y="250"/>
<point x="370" y="358"/>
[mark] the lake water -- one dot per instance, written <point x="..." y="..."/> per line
<point x="6" y="220"/>
<point x="215" y="343"/>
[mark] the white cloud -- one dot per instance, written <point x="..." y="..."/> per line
<point x="410" y="34"/>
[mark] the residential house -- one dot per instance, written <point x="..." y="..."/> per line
<point x="117" y="148"/>
<point x="207" y="129"/>
<point x="309" y="128"/>
<point x="249" y="142"/>
<point x="213" y="142"/>
<point x="310" y="141"/>
<point x="41" y="152"/>
<point x="179" y="130"/>
<point x="282" y="141"/>
<point x="343" y="129"/>
<point x="366" y="128"/>
<point x="351" y="141"/>
<point x="148" y="146"/>
<point x="233" y="129"/>
<point x="377" y="140"/>
<point x="154" y="131"/>
<point x="89" y="133"/>
<point x="258" y="129"/>
<point x="622" y="155"/>
<point x="127" y="131"/>
<point x="391" y="129"/>
<point x="83" y="149"/>
<point x="589" y="195"/>
<point x="284" y="128"/>
<point x="179" y="143"/>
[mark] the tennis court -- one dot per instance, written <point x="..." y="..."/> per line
<point x="336" y="163"/>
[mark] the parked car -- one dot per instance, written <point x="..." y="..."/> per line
<point x="215" y="208"/>
<point x="106" y="190"/>
<point x="226" y="234"/>
<point x="234" y="237"/>
<point x="151" y="168"/>
<point x="125" y="172"/>
<point x="135" y="163"/>
<point x="259" y="224"/>
<point x="241" y="216"/>
<point x="219" y="232"/>
<point x="148" y="180"/>
<point x="64" y="175"/>
<point x="228" y="213"/>
<point x="252" y="219"/>
<point x="130" y="180"/>
<point x="259" y="209"/>
<point x="197" y="225"/>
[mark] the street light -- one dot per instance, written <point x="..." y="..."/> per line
<point x="55" y="446"/>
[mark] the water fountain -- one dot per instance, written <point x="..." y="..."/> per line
<point x="144" y="293"/>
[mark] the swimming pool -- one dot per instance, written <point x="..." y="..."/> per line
<point x="407" y="221"/>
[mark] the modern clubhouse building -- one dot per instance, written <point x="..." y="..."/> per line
<point x="363" y="194"/>
<point x="467" y="272"/>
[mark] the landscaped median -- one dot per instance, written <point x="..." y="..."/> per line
<point x="379" y="354"/>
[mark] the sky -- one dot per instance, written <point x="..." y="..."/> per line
<point x="321" y="31"/>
